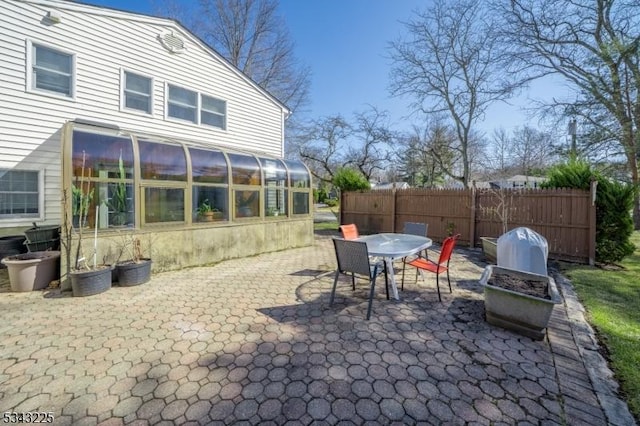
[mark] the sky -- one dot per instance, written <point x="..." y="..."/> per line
<point x="346" y="45"/>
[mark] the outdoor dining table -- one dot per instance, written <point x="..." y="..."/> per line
<point x="392" y="246"/>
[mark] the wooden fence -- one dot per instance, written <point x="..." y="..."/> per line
<point x="565" y="217"/>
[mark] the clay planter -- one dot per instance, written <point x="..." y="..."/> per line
<point x="511" y="308"/>
<point x="32" y="271"/>
<point x="132" y="273"/>
<point x="490" y="249"/>
<point x="92" y="281"/>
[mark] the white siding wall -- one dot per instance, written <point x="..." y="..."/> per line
<point x="105" y="42"/>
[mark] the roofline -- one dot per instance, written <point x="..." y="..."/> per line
<point x="78" y="6"/>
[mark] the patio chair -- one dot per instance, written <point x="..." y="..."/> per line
<point x="416" y="228"/>
<point x="442" y="265"/>
<point x="353" y="258"/>
<point x="349" y="231"/>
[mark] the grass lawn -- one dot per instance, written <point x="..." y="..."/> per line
<point x="612" y="300"/>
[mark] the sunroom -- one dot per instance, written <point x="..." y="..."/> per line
<point x="188" y="203"/>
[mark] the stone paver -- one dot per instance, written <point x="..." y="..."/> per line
<point x="254" y="341"/>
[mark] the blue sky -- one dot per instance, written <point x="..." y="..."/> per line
<point x="345" y="43"/>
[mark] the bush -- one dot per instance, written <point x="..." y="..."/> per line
<point x="331" y="202"/>
<point x="347" y="179"/>
<point x="321" y="194"/>
<point x="614" y="202"/>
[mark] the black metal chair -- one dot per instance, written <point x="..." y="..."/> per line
<point x="353" y="258"/>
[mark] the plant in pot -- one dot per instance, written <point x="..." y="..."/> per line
<point x="87" y="277"/>
<point x="519" y="294"/>
<point x="80" y="203"/>
<point x="33" y="270"/>
<point x="208" y="213"/>
<point x="518" y="300"/>
<point x="272" y="211"/>
<point x="118" y="202"/>
<point x="135" y="270"/>
<point x="205" y="211"/>
<point x="502" y="211"/>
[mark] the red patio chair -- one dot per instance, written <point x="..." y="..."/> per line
<point x="349" y="231"/>
<point x="442" y="265"/>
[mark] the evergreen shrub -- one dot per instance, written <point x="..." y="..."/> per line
<point x="614" y="202"/>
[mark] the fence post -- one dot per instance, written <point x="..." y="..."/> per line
<point x="472" y="218"/>
<point x="393" y="208"/>
<point x="592" y="223"/>
<point x="341" y="208"/>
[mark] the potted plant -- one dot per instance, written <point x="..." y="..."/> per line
<point x="79" y="203"/>
<point x="135" y="270"/>
<point x="208" y="213"/>
<point x="205" y="211"/>
<point x="502" y="210"/>
<point x="87" y="278"/>
<point x="519" y="301"/>
<point x="272" y="211"/>
<point x="118" y="202"/>
<point x="32" y="271"/>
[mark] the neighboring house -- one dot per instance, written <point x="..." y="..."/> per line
<point x="390" y="185"/>
<point x="517" y="182"/>
<point x="161" y="120"/>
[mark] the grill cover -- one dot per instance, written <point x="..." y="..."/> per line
<point x="524" y="250"/>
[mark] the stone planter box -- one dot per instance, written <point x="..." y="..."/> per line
<point x="490" y="249"/>
<point x="514" y="310"/>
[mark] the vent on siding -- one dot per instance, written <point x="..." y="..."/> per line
<point x="172" y="42"/>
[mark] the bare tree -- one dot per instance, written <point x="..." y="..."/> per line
<point x="595" y="46"/>
<point x="451" y="63"/>
<point x="331" y="143"/>
<point x="427" y="156"/>
<point x="321" y="145"/>
<point x="374" y="137"/>
<point x="499" y="154"/>
<point x="531" y="150"/>
<point x="252" y="36"/>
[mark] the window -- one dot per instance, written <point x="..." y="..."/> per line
<point x="245" y="172"/>
<point x="195" y="107"/>
<point x="102" y="177"/>
<point x="182" y="104"/>
<point x="137" y="91"/>
<point x="163" y="168"/>
<point x="300" y="187"/>
<point x="210" y="192"/>
<point x="51" y="70"/>
<point x="213" y="112"/>
<point x="19" y="194"/>
<point x="275" y="187"/>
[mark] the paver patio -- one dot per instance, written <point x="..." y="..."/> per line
<point x="254" y="341"/>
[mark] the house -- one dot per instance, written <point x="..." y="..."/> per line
<point x="517" y="182"/>
<point x="156" y="123"/>
<point x="390" y="185"/>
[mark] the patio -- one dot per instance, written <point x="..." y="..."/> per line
<point x="254" y="341"/>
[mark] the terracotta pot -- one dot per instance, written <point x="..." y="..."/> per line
<point x="32" y="271"/>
